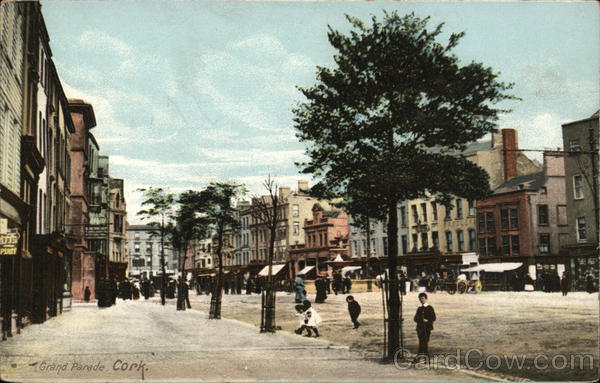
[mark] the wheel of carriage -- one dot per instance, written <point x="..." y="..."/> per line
<point x="461" y="287"/>
<point x="478" y="287"/>
<point x="451" y="288"/>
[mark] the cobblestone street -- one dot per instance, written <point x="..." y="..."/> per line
<point x="141" y="340"/>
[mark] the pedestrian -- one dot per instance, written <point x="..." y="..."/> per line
<point x="321" y="287"/>
<point x="564" y="284"/>
<point x="528" y="283"/>
<point x="347" y="284"/>
<point x="589" y="283"/>
<point x="353" y="310"/>
<point x="402" y="283"/>
<point x="136" y="291"/>
<point x="337" y="282"/>
<point x="312" y="319"/>
<point x="87" y="294"/>
<point x="424" y="317"/>
<point x="328" y="283"/>
<point x="303" y="320"/>
<point x="300" y="292"/>
<point x="248" y="286"/>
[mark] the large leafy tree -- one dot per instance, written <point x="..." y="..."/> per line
<point x="187" y="226"/>
<point x="215" y="205"/>
<point x="388" y="122"/>
<point x="158" y="209"/>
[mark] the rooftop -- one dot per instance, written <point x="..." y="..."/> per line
<point x="529" y="182"/>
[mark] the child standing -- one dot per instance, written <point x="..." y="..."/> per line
<point x="303" y="320"/>
<point x="354" y="310"/>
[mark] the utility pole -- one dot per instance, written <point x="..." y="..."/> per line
<point x="163" y="284"/>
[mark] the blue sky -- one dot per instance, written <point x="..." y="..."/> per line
<point x="186" y="92"/>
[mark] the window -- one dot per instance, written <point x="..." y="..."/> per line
<point x="489" y="216"/>
<point x="364" y="247"/>
<point x="434" y="211"/>
<point x="544" y="243"/>
<point x="472" y="240"/>
<point x="481" y="222"/>
<point x="472" y="209"/>
<point x="459" y="208"/>
<point x="581" y="229"/>
<point x="403" y="215"/>
<point x="482" y="246"/>
<point x="296" y="228"/>
<point x="491" y="246"/>
<point x="354" y="249"/>
<point x="424" y="241"/>
<point x="505" y="245"/>
<point x="504" y="219"/>
<point x="448" y="241"/>
<point x="295" y="210"/>
<point x="435" y="239"/>
<point x="448" y="211"/>
<point x="415" y="213"/>
<point x="514" y="239"/>
<point x="415" y="242"/>
<point x="424" y="211"/>
<point x="561" y="211"/>
<point x="578" y="186"/>
<point x="574" y="145"/>
<point x="404" y="244"/>
<point x="385" y="245"/>
<point x="514" y="219"/>
<point x="460" y="237"/>
<point x="542" y="214"/>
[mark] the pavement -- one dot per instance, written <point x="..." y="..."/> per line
<point x="142" y="340"/>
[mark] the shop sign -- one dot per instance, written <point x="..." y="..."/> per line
<point x="8" y="243"/>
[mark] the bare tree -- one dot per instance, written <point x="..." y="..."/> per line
<point x="266" y="211"/>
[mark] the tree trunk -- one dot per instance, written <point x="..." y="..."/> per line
<point x="181" y="291"/>
<point x="368" y="273"/>
<point x="163" y="284"/>
<point x="394" y="304"/>
<point x="269" y="301"/>
<point x="217" y="294"/>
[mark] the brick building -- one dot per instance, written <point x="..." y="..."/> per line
<point x="525" y="220"/>
<point x="325" y="237"/>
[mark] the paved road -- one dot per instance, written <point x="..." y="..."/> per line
<point x="143" y="340"/>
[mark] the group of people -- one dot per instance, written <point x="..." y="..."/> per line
<point x="235" y="284"/>
<point x="324" y="286"/>
<point x="310" y="318"/>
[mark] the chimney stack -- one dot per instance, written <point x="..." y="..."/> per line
<point x="302" y="186"/>
<point x="509" y="146"/>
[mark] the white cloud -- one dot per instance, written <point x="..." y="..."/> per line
<point x="253" y="156"/>
<point x="542" y="131"/>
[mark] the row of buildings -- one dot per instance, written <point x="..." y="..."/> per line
<point x="62" y="217"/>
<point x="541" y="215"/>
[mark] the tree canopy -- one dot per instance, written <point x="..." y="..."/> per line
<point x="388" y="122"/>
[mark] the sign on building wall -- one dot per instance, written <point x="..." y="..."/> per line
<point x="8" y="243"/>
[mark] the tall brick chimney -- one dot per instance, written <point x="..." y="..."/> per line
<point x="509" y="154"/>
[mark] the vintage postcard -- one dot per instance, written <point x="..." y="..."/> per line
<point x="299" y="191"/>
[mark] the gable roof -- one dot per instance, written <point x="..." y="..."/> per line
<point x="530" y="182"/>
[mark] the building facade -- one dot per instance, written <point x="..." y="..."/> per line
<point x="581" y="175"/>
<point x="117" y="234"/>
<point x="83" y="267"/>
<point x="325" y="237"/>
<point x="525" y="220"/>
<point x="144" y="252"/>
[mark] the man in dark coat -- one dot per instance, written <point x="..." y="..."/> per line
<point x="321" y="287"/>
<point x="112" y="291"/>
<point x="354" y="310"/>
<point x="87" y="294"/>
<point x="337" y="282"/>
<point x="347" y="284"/>
<point x="589" y="283"/>
<point x="564" y="284"/>
<point x="249" y="286"/>
<point x="424" y="317"/>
